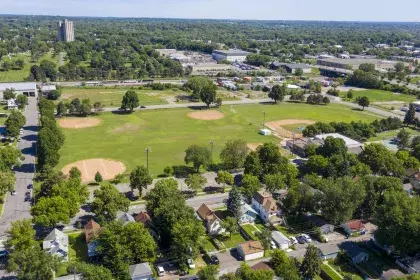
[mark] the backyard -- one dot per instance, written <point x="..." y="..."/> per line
<point x="168" y="133"/>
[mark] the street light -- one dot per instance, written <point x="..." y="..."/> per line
<point x="263" y="119"/>
<point x="147" y="150"/>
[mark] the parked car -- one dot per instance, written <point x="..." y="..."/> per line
<point x="404" y="109"/>
<point x="27" y="197"/>
<point x="307" y="238"/>
<point x="160" y="271"/>
<point x="293" y="240"/>
<point x="13" y="192"/>
<point x="214" y="259"/>
<point x="30" y="186"/>
<point x="301" y="239"/>
<point x="142" y="107"/>
<point x="273" y="245"/>
<point x="191" y="263"/>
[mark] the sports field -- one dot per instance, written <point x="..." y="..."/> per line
<point x="380" y="96"/>
<point x="169" y="132"/>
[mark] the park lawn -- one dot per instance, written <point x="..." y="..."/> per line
<point x="380" y="96"/>
<point x="298" y="128"/>
<point x="331" y="273"/>
<point x="344" y="269"/>
<point x="111" y="97"/>
<point x="170" y="132"/>
<point x="232" y="241"/>
<point x="251" y="230"/>
<point x="386" y="135"/>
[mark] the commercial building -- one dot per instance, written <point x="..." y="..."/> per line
<point x="291" y="67"/>
<point x="65" y="31"/>
<point x="28" y="89"/>
<point x="353" y="64"/>
<point x="230" y="55"/>
<point x="353" y="146"/>
<point x="211" y="69"/>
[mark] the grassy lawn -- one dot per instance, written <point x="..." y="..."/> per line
<point x="380" y="96"/>
<point x="345" y="269"/>
<point x="78" y="247"/>
<point x="251" y="230"/>
<point x="298" y="128"/>
<point x="208" y="244"/>
<point x="391" y="134"/>
<point x="286" y="231"/>
<point x="331" y="273"/>
<point x="376" y="265"/>
<point x="232" y="241"/>
<point x="170" y="132"/>
<point x="111" y="97"/>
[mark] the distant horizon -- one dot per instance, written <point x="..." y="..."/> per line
<point x="211" y="19"/>
<point x="265" y="10"/>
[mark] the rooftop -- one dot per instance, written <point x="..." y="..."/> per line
<point x="18" y="86"/>
<point x="251" y="247"/>
<point x="349" y="142"/>
<point x="329" y="249"/>
<point x="279" y="237"/>
<point x="92" y="230"/>
<point x="261" y="266"/>
<point x="141" y="269"/>
<point x="357" y="61"/>
<point x="143" y="217"/>
<point x="352" y="249"/>
<point x="392" y="273"/>
<point x="231" y="52"/>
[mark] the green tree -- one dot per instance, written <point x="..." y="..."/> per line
<point x="49" y="211"/>
<point x="20" y="236"/>
<point x="75" y="174"/>
<point x="164" y="190"/>
<point x="209" y="272"/>
<point x="332" y="146"/>
<point x="250" y="185"/>
<point x="274" y="182"/>
<point x="265" y="238"/>
<point x="198" y="155"/>
<point x="381" y="160"/>
<point x="14" y="123"/>
<point x="234" y="202"/>
<point x="233" y="154"/>
<point x="403" y="137"/>
<point x="252" y="164"/>
<point x="22" y="100"/>
<point x="98" y="177"/>
<point x="7" y="182"/>
<point x="9" y="93"/>
<point x="270" y="159"/>
<point x="196" y="182"/>
<point x="202" y="87"/>
<point x="410" y="116"/>
<point x="246" y="273"/>
<point x="108" y="201"/>
<point x="208" y="93"/>
<point x="278" y="92"/>
<point x="140" y="179"/>
<point x="299" y="200"/>
<point x="350" y="94"/>
<point x="363" y="101"/>
<point x="230" y="224"/>
<point x="408" y="160"/>
<point x="168" y="170"/>
<point x="284" y="266"/>
<point x="224" y="178"/>
<point x="90" y="271"/>
<point x="130" y="101"/>
<point x="9" y="157"/>
<point x="298" y="72"/>
<point x="311" y="264"/>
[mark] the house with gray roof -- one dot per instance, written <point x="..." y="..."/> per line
<point x="141" y="271"/>
<point x="327" y="252"/>
<point x="354" y="252"/>
<point x="57" y="244"/>
<point x="280" y="239"/>
<point x="28" y="89"/>
<point x="126" y="218"/>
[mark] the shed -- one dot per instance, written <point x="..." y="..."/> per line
<point x="280" y="239"/>
<point x="265" y="132"/>
<point x="251" y="250"/>
<point x="141" y="271"/>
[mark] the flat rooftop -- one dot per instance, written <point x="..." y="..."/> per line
<point x="349" y="142"/>
<point x="231" y="52"/>
<point x="357" y="61"/>
<point x="17" y="86"/>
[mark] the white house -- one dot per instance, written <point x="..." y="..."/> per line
<point x="212" y="223"/>
<point x="280" y="239"/>
<point x="251" y="250"/>
<point x="266" y="207"/>
<point x="57" y="244"/>
<point x="11" y="104"/>
<point x="230" y="55"/>
<point x="248" y="214"/>
<point x="28" y="89"/>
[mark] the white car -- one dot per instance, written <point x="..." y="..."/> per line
<point x="21" y="132"/>
<point x="191" y="263"/>
<point x="404" y="109"/>
<point x="293" y="240"/>
<point x="273" y="245"/>
<point x="307" y="238"/>
<point x="160" y="271"/>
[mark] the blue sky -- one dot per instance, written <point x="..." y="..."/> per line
<point x="363" y="10"/>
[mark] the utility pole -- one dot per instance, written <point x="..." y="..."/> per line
<point x="263" y="119"/>
<point x="147" y="150"/>
<point x="211" y="142"/>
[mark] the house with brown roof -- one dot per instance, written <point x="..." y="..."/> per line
<point x="414" y="178"/>
<point x="212" y="223"/>
<point x="392" y="273"/>
<point x="266" y="207"/>
<point x="144" y="218"/>
<point x="251" y="250"/>
<point x="354" y="226"/>
<point x="92" y="231"/>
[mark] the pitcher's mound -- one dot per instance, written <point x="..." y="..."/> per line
<point x="208" y="115"/>
<point x="277" y="126"/>
<point x="89" y="167"/>
<point x="76" y="123"/>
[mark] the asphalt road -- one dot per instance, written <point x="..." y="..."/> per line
<point x="15" y="207"/>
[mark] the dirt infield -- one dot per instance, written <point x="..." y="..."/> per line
<point x="276" y="126"/>
<point x="77" y="123"/>
<point x="253" y="146"/>
<point x="207" y="115"/>
<point x="89" y="167"/>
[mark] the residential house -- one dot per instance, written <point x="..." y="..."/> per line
<point x="408" y="188"/>
<point x="251" y="250"/>
<point x="92" y="231"/>
<point x="354" y="252"/>
<point x="212" y="223"/>
<point x="261" y="266"/>
<point x="144" y="218"/>
<point x="45" y="89"/>
<point x="298" y="145"/>
<point x="328" y="252"/>
<point x="392" y="273"/>
<point x="354" y="226"/>
<point x="280" y="239"/>
<point x="266" y="207"/>
<point x="248" y="214"/>
<point x="415" y="180"/>
<point x="57" y="244"/>
<point x="141" y="271"/>
<point x="11" y="104"/>
<point x="126" y="218"/>
<point x="409" y="264"/>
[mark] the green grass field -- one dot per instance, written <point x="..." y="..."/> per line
<point x="170" y="132"/>
<point x="330" y="272"/>
<point x="251" y="230"/>
<point x="111" y="97"/>
<point x="380" y="96"/>
<point x="232" y="241"/>
<point x="391" y="134"/>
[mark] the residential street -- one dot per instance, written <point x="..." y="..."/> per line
<point x="15" y="207"/>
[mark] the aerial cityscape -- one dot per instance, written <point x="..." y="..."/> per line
<point x="138" y="146"/>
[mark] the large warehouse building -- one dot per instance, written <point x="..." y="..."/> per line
<point x="230" y="55"/>
<point x="353" y="64"/>
<point x="28" y="89"/>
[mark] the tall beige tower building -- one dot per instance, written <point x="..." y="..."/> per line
<point x="65" y="31"/>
